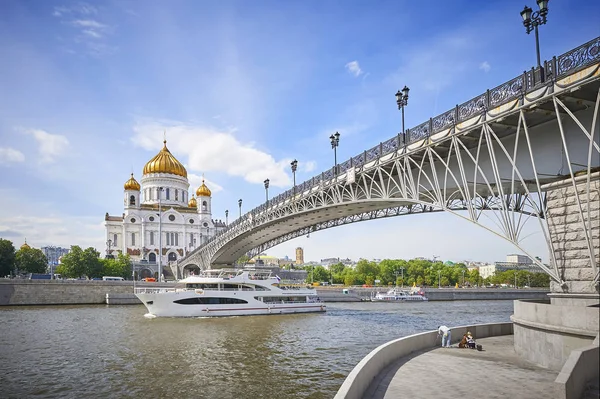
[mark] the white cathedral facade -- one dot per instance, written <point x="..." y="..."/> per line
<point x="161" y="202"/>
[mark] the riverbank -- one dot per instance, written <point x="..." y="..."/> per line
<point x="90" y="292"/>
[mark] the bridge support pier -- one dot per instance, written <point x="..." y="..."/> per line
<point x="546" y="333"/>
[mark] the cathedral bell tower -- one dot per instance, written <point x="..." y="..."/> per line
<point x="132" y="193"/>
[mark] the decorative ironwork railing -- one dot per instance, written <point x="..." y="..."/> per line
<point x="567" y="63"/>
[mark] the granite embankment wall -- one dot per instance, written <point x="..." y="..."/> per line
<point x="59" y="292"/>
<point x="456" y="294"/>
<point x="80" y="292"/>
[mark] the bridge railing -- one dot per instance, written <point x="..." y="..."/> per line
<point x="557" y="67"/>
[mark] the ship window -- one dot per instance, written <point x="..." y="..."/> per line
<point x="278" y="299"/>
<point x="209" y="301"/>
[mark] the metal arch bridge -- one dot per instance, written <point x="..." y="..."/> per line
<point x="492" y="153"/>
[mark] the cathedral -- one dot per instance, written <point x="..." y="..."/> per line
<point x="159" y="218"/>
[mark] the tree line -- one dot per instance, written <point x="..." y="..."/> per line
<point x="76" y="264"/>
<point x="419" y="272"/>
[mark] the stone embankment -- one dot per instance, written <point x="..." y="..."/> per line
<point x="89" y="292"/>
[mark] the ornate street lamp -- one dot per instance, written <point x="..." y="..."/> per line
<point x="294" y="165"/>
<point x="267" y="191"/>
<point x="159" y="270"/>
<point x="402" y="101"/>
<point x="531" y="21"/>
<point x="226" y="217"/>
<point x="240" y="204"/>
<point x="335" y="142"/>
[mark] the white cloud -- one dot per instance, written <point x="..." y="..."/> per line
<point x="354" y="68"/>
<point x="81" y="8"/>
<point x="485" y="66"/>
<point x="92" y="33"/>
<point x="50" y="146"/>
<point x="196" y="180"/>
<point x="210" y="150"/>
<point x="307" y="166"/>
<point x="10" y="155"/>
<point x="88" y="23"/>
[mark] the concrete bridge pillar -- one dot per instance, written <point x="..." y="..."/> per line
<point x="545" y="332"/>
<point x="567" y="224"/>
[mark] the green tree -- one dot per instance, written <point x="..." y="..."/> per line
<point x="7" y="257"/>
<point x="120" y="267"/>
<point x="320" y="274"/>
<point x="242" y="260"/>
<point x="91" y="259"/>
<point x="31" y="260"/>
<point x="72" y="264"/>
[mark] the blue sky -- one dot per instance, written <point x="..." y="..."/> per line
<point x="242" y="88"/>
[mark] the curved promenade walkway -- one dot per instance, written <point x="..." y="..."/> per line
<point x="495" y="372"/>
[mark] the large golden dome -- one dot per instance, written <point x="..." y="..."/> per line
<point x="203" y="191"/>
<point x="165" y="162"/>
<point x="132" y="184"/>
<point x="192" y="202"/>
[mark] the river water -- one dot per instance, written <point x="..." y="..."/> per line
<point x="108" y="352"/>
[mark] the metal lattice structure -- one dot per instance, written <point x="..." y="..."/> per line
<point x="493" y="153"/>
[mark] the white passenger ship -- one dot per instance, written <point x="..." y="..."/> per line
<point x="224" y="292"/>
<point x="399" y="295"/>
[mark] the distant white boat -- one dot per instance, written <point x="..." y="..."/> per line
<point x="399" y="295"/>
<point x="224" y="292"/>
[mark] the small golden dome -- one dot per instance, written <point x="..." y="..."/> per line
<point x="164" y="162"/>
<point x="132" y="184"/>
<point x="192" y="202"/>
<point x="203" y="191"/>
<point x="25" y="246"/>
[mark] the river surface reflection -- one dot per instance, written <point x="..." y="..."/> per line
<point x="106" y="352"/>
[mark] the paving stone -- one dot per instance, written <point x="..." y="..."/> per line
<point x="495" y="372"/>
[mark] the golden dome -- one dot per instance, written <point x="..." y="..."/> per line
<point x="132" y="184"/>
<point x="192" y="202"/>
<point x="203" y="191"/>
<point x="25" y="246"/>
<point x="164" y="162"/>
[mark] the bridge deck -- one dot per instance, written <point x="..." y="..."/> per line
<point x="496" y="372"/>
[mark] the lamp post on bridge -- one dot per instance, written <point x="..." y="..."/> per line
<point x="226" y="217"/>
<point x="531" y="21"/>
<point x="335" y="142"/>
<point x="294" y="165"/>
<point x="402" y="101"/>
<point x="267" y="191"/>
<point x="240" y="204"/>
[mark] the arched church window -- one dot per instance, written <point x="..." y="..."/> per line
<point x="176" y="195"/>
<point x="132" y="239"/>
<point x="151" y="238"/>
<point x="168" y="196"/>
<point x="114" y="243"/>
<point x="204" y="205"/>
<point x="176" y="239"/>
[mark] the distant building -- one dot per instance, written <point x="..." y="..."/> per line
<point x="299" y="256"/>
<point x="516" y="258"/>
<point x="513" y="262"/>
<point x="327" y="262"/>
<point x="53" y="253"/>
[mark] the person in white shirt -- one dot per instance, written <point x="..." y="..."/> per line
<point x="446" y="336"/>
